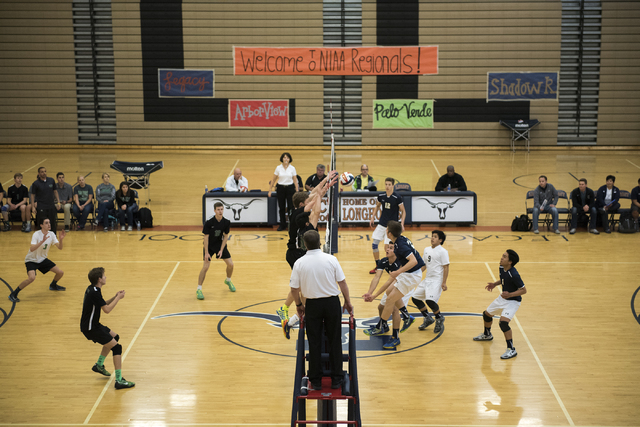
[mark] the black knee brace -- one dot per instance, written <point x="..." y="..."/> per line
<point x="433" y="305"/>
<point x="117" y="338"/>
<point x="116" y="350"/>
<point x="504" y="326"/>
<point x="486" y="317"/>
<point x="418" y="303"/>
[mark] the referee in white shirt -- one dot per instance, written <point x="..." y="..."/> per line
<point x="236" y="182"/>
<point x="320" y="279"/>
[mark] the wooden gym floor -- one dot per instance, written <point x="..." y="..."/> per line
<point x="577" y="332"/>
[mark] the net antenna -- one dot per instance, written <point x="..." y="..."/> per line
<point x="331" y="235"/>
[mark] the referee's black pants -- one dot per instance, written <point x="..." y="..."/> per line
<point x="285" y="201"/>
<point x="51" y="213"/>
<point x="328" y="313"/>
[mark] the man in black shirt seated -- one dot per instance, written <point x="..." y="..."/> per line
<point x="315" y="179"/>
<point x="451" y="181"/>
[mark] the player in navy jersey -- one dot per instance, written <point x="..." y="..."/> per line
<point x="216" y="235"/>
<point x="507" y="304"/>
<point x="407" y="277"/>
<point x="392" y="209"/>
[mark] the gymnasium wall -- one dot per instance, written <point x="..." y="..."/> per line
<point x="38" y="100"/>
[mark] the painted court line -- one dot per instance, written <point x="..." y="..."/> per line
<point x="434" y="166"/>
<point x="535" y="356"/>
<point x="633" y="163"/>
<point x="124" y="356"/>
<point x="24" y="172"/>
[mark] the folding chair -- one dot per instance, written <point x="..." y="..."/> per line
<point x="137" y="174"/>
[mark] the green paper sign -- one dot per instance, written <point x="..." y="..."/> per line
<point x="402" y="113"/>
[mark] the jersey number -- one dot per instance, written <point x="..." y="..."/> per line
<point x="429" y="258"/>
<point x="45" y="246"/>
<point x="387" y="205"/>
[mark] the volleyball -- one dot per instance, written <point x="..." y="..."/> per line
<point x="346" y="178"/>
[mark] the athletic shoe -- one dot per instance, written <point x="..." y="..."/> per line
<point x="101" y="370"/>
<point x="406" y="323"/>
<point x="316" y="386"/>
<point x="427" y="321"/>
<point x="66" y="229"/>
<point x="13" y="298"/>
<point x="28" y="229"/>
<point x="607" y="231"/>
<point x="199" y="294"/>
<point x="122" y="228"/>
<point x="594" y="231"/>
<point x="283" y="312"/>
<point x="282" y="228"/>
<point x="511" y="352"/>
<point x="106" y="228"/>
<point x="124" y="384"/>
<point x="24" y="225"/>
<point x="7" y="226"/>
<point x="439" y="325"/>
<point x="230" y="285"/>
<point x="57" y="288"/>
<point x="483" y="337"/>
<point x="391" y="344"/>
<point x="286" y="329"/>
<point x="95" y="222"/>
<point x="572" y="231"/>
<point x="376" y="331"/>
<point x="536" y="232"/>
<point x="373" y="271"/>
<point x="130" y="228"/>
<point x="556" y="231"/>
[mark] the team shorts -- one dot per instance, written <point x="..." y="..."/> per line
<point x="213" y="252"/>
<point x="43" y="267"/>
<point x="407" y="282"/>
<point x="405" y="299"/>
<point x="100" y="335"/>
<point x="294" y="254"/>
<point x="505" y="307"/>
<point x="429" y="289"/>
<point x="380" y="233"/>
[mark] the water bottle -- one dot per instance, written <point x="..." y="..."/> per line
<point x="449" y="187"/>
<point x="206" y="189"/>
<point x="304" y="386"/>
<point x="138" y="225"/>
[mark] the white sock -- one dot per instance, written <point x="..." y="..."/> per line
<point x="293" y="320"/>
<point x="229" y="278"/>
<point x="199" y="287"/>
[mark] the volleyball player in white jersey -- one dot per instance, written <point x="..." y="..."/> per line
<point x="429" y="290"/>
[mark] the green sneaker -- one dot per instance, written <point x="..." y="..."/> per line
<point x="120" y="384"/>
<point x="230" y="285"/>
<point x="199" y="294"/>
<point x="101" y="370"/>
<point x="283" y="313"/>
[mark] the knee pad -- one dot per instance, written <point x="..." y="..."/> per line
<point x="116" y="350"/>
<point x="117" y="338"/>
<point x="486" y="317"/>
<point x="374" y="245"/>
<point x="433" y="305"/>
<point x="504" y="326"/>
<point x="418" y="303"/>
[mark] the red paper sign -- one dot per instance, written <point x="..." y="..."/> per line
<point x="259" y="113"/>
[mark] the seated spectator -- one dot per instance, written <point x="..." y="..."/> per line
<point x="545" y="199"/>
<point x="17" y="201"/>
<point x="583" y="200"/>
<point x="236" y="182"/>
<point x="82" y="202"/>
<point x="315" y="179"/>
<point x="126" y="205"/>
<point x="105" y="195"/>
<point x="65" y="199"/>
<point x="635" y="202"/>
<point x="364" y="181"/>
<point x="607" y="201"/>
<point x="7" y="227"/>
<point x="451" y="181"/>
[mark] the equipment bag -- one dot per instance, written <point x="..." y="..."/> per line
<point x="627" y="224"/>
<point x="521" y="223"/>
<point x="146" y="219"/>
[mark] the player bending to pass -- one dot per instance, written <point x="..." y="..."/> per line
<point x="435" y="281"/>
<point x="304" y="218"/>
<point x="216" y="235"/>
<point x="507" y="303"/>
<point x="389" y="263"/>
<point x="36" y="259"/>
<point x="391" y="206"/>
<point x="94" y="331"/>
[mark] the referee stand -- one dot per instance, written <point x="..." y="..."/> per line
<point x="327" y="397"/>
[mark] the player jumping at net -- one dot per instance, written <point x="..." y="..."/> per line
<point x="94" y="331"/>
<point x="507" y="303"/>
<point x="36" y="259"/>
<point x="389" y="263"/>
<point x="216" y="235"/>
<point x="407" y="277"/>
<point x="435" y="281"/>
<point x="391" y="206"/>
<point x="302" y="219"/>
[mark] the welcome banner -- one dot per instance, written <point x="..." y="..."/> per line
<point x="404" y="114"/>
<point x="259" y="114"/>
<point x="339" y="61"/>
<point x="176" y="83"/>
<point x="521" y="86"/>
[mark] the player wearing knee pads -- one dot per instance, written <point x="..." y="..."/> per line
<point x="436" y="259"/>
<point x="392" y="209"/>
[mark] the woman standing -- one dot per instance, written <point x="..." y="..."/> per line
<point x="105" y="195"/>
<point x="286" y="182"/>
<point x="126" y="202"/>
